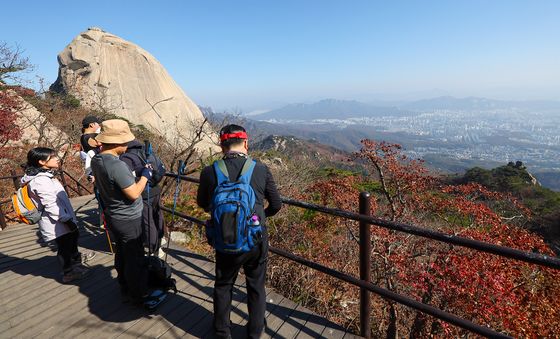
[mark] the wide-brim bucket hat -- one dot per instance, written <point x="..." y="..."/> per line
<point x="115" y="131"/>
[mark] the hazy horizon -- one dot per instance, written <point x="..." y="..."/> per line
<point x="249" y="55"/>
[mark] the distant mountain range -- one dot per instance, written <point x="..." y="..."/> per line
<point x="344" y="109"/>
<point x="330" y="109"/>
<point x="440" y="153"/>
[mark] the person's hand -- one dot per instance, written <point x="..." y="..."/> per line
<point x="91" y="178"/>
<point x="146" y="172"/>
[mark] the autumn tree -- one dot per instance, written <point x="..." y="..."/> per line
<point x="12" y="63"/>
<point x="510" y="296"/>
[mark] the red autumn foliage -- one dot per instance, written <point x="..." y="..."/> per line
<point x="9" y="106"/>
<point x="516" y="298"/>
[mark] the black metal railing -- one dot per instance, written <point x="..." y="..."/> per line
<point x="365" y="221"/>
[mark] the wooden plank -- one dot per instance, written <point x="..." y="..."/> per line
<point x="120" y="325"/>
<point x="31" y="242"/>
<point x="291" y="326"/>
<point x="313" y="327"/>
<point x="238" y="327"/>
<point x="33" y="286"/>
<point x="39" y="284"/>
<point x="15" y="271"/>
<point x="61" y="328"/>
<point x="36" y="305"/>
<point x="126" y="328"/>
<point x="66" y="308"/>
<point x="15" y="229"/>
<point x="28" y="275"/>
<point x="277" y="317"/>
<point x="13" y="233"/>
<point x="52" y="302"/>
<point x="171" y="311"/>
<point x="333" y="331"/>
<point x="205" y="325"/>
<point x="197" y="306"/>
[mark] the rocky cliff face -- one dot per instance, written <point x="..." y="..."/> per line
<point x="37" y="129"/>
<point x="106" y="72"/>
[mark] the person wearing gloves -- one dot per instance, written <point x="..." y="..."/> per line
<point x="153" y="223"/>
<point x="58" y="221"/>
<point x="121" y="199"/>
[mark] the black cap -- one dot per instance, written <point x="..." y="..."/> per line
<point x="90" y="119"/>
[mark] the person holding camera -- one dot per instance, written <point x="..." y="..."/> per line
<point x="121" y="198"/>
<point x="58" y="221"/>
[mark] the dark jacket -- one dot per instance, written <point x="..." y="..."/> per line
<point x="135" y="159"/>
<point x="261" y="181"/>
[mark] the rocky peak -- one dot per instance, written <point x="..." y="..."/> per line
<point x="108" y="73"/>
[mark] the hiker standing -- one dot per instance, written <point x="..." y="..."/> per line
<point x="90" y="147"/>
<point x="120" y="196"/>
<point x="152" y="217"/>
<point x="58" y="221"/>
<point x="234" y="143"/>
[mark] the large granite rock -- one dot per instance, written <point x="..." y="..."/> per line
<point x="108" y="73"/>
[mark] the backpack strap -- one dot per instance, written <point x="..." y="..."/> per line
<point x="247" y="170"/>
<point x="221" y="171"/>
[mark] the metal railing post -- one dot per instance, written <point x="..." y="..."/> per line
<point x="365" y="266"/>
<point x="63" y="179"/>
<point x="15" y="180"/>
<point x="2" y="219"/>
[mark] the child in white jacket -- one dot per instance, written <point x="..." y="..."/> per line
<point x="58" y="221"/>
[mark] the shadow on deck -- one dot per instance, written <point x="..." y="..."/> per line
<point x="36" y="304"/>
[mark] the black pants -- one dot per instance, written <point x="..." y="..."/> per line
<point x="152" y="222"/>
<point x="227" y="268"/>
<point x="129" y="256"/>
<point x="67" y="249"/>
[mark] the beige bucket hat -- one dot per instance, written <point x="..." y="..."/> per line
<point x="115" y="131"/>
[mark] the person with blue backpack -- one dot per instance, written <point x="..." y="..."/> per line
<point x="234" y="189"/>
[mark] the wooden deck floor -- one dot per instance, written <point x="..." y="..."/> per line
<point x="34" y="303"/>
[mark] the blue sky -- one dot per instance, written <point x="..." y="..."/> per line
<point x="249" y="55"/>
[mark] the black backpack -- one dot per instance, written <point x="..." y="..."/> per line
<point x="138" y="159"/>
<point x="159" y="274"/>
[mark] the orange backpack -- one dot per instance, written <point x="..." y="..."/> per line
<point x="24" y="207"/>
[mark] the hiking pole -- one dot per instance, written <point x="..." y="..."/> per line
<point x="147" y="152"/>
<point x="107" y="233"/>
<point x="180" y="171"/>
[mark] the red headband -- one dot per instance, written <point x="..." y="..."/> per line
<point x="238" y="135"/>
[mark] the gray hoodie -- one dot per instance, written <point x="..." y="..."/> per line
<point x="49" y="196"/>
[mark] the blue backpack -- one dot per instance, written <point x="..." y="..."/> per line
<point x="235" y="227"/>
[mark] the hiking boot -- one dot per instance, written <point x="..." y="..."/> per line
<point x="76" y="273"/>
<point x="82" y="258"/>
<point x="87" y="256"/>
<point x="154" y="299"/>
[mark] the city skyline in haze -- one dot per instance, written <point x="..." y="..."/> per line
<point x="252" y="55"/>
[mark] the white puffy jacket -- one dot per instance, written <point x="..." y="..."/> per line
<point x="49" y="196"/>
